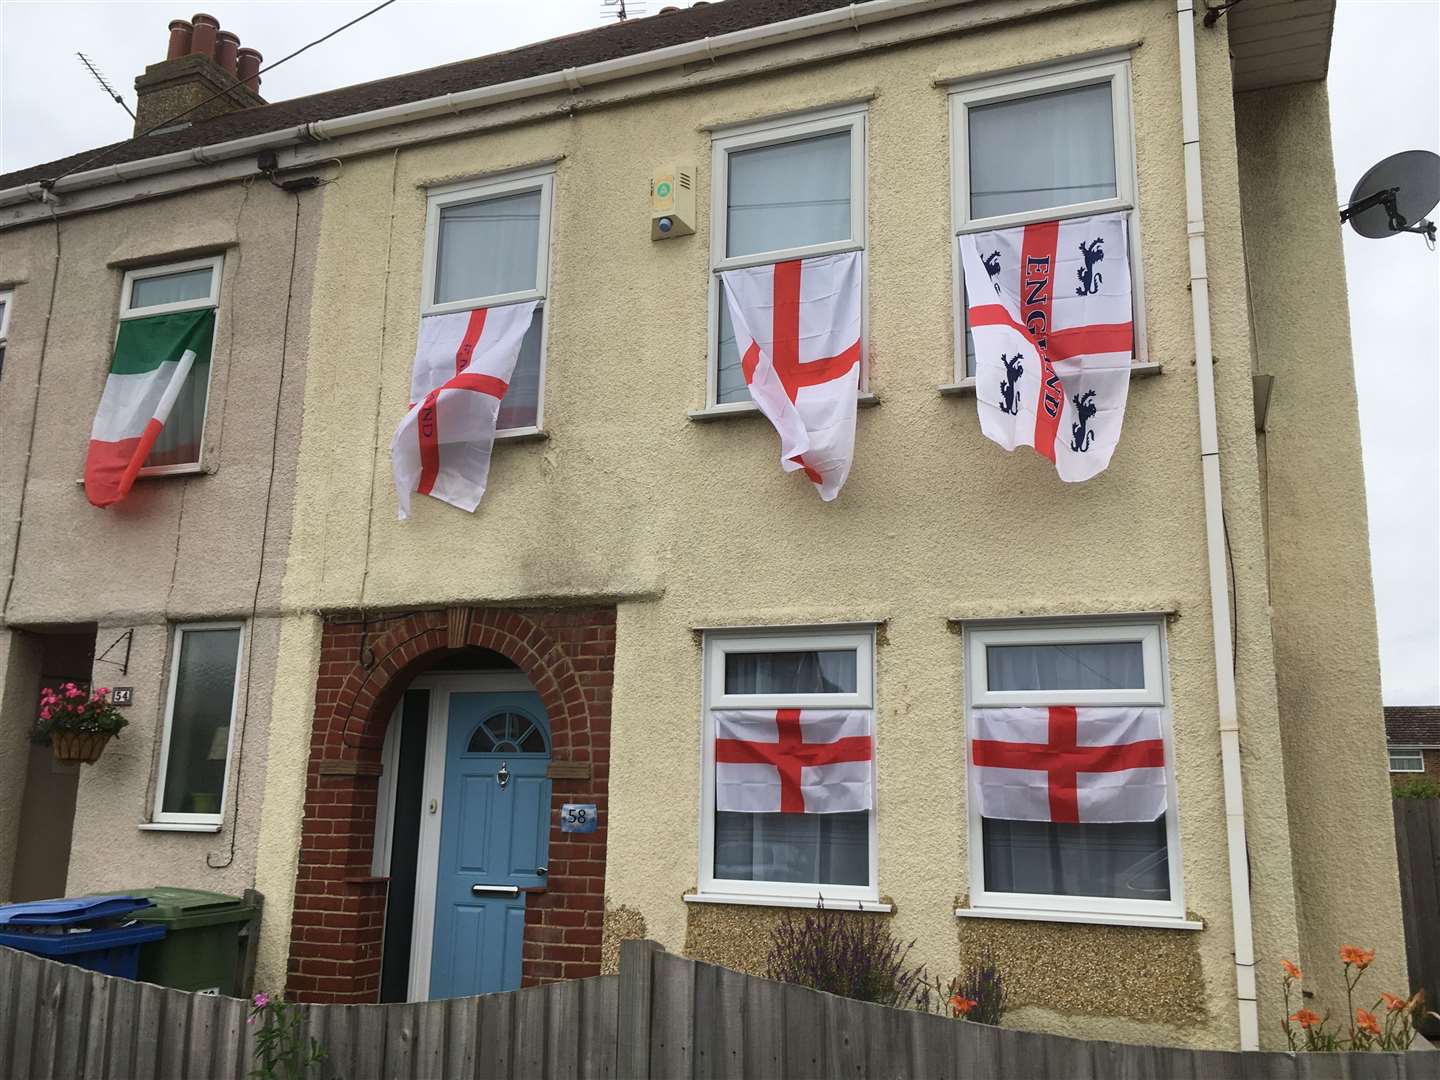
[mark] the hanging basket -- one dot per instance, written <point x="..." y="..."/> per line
<point x="69" y="746"/>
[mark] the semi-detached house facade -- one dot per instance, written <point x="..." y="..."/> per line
<point x="425" y="696"/>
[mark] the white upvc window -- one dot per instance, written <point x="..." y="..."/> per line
<point x="199" y="729"/>
<point x="168" y="289"/>
<point x="778" y="857"/>
<point x="781" y="190"/>
<point x="487" y="244"/>
<point x="1056" y="870"/>
<point x="1042" y="147"/>
<point x="1407" y="759"/>
<point x="7" y="301"/>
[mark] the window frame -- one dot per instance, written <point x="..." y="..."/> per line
<point x="977" y="695"/>
<point x="782" y="639"/>
<point x="852" y="118"/>
<point x="216" y="265"/>
<point x="1409" y="751"/>
<point x="541" y="179"/>
<point x="1016" y="85"/>
<point x="7" y="304"/>
<point x="158" y="814"/>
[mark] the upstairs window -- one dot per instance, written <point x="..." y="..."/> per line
<point x="488" y="245"/>
<point x="7" y="298"/>
<point x="170" y="289"/>
<point x="783" y="190"/>
<point x="1042" y="148"/>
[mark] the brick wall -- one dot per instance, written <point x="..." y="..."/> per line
<point x="339" y="920"/>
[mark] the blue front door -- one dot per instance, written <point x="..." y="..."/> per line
<point x="494" y="840"/>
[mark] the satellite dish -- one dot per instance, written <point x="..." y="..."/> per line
<point x="1395" y="195"/>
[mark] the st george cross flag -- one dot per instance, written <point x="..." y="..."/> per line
<point x="153" y="357"/>
<point x="1069" y="764"/>
<point x="797" y="326"/>
<point x="1050" y="312"/>
<point x="463" y="365"/>
<point x="794" y="761"/>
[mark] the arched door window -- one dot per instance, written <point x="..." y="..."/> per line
<point x="507" y="733"/>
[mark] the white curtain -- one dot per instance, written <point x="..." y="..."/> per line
<point x="1099" y="665"/>
<point x="170" y="288"/>
<point x="179" y="440"/>
<point x="488" y="248"/>
<point x="1067" y="859"/>
<point x="821" y="849"/>
<point x="789" y="195"/>
<point x="1042" y="151"/>
<point x="827" y="671"/>
<point x="520" y="407"/>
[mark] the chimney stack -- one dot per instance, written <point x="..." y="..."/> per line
<point x="205" y="69"/>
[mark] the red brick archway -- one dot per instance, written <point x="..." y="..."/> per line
<point x="568" y="654"/>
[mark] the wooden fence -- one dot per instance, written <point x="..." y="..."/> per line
<point x="1417" y="843"/>
<point x="662" y="1016"/>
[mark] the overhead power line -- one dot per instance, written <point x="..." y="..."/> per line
<point x="48" y="184"/>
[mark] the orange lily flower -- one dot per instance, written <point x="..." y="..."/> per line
<point x="1392" y="1003"/>
<point x="1306" y="1019"/>
<point x="1353" y="954"/>
<point x="1291" y="970"/>
<point x="962" y="1005"/>
<point x="1365" y="1020"/>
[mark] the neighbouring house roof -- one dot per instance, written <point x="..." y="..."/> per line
<point x="1412" y="725"/>
<point x="610" y="42"/>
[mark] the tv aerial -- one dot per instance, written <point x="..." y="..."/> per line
<point x="1395" y="195"/>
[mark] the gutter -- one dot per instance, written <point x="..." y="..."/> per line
<point x="570" y="80"/>
<point x="1241" y="915"/>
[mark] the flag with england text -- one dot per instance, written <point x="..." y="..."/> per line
<point x="153" y="357"/>
<point x="798" y="326"/>
<point x="1050" y="312"/>
<point x="793" y="761"/>
<point x="1068" y="764"/>
<point x="464" y="361"/>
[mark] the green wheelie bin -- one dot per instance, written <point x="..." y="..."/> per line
<point x="205" y="946"/>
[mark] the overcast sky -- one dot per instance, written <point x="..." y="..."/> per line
<point x="1385" y="97"/>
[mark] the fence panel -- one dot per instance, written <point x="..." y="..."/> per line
<point x="1417" y="847"/>
<point x="662" y="1016"/>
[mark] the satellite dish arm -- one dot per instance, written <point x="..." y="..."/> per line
<point x="1386" y="198"/>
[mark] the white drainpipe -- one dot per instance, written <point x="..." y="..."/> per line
<point x="1222" y="631"/>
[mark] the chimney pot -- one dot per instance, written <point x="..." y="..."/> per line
<point x="248" y="68"/>
<point x="202" y="37"/>
<point x="226" y="45"/>
<point x="179" y="39"/>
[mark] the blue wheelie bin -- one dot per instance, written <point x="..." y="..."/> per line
<point x="93" y="932"/>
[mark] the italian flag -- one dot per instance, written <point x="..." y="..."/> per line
<point x="153" y="356"/>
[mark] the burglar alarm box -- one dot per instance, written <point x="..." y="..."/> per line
<point x="672" y="202"/>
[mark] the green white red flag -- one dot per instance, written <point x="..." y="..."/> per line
<point x="153" y="356"/>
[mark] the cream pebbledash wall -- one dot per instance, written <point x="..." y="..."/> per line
<point x="684" y="524"/>
<point x="179" y="548"/>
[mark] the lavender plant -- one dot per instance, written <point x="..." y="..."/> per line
<point x="978" y="995"/>
<point x="853" y="957"/>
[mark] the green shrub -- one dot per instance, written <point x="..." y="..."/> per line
<point x="1417" y="787"/>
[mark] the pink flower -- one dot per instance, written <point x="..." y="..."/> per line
<point x="261" y="1000"/>
<point x="45" y="714"/>
<point x="74" y="691"/>
<point x="102" y="691"/>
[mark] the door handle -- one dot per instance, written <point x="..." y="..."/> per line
<point x="495" y="890"/>
<point x="542" y="871"/>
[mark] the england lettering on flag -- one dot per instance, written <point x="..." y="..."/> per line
<point x="793" y="761"/>
<point x="464" y="361"/>
<point x="798" y="326"/>
<point x="1050" y="312"/>
<point x="1069" y="764"/>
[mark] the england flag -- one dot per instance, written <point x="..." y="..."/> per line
<point x="793" y="761"/>
<point x="798" y="326"/>
<point x="1068" y="764"/>
<point x="1050" y="312"/>
<point x="464" y="361"/>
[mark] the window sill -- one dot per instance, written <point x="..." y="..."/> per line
<point x="158" y="471"/>
<point x="178" y="826"/>
<point x="749" y="408"/>
<point x="966" y="387"/>
<point x="522" y="434"/>
<point x="1095" y="918"/>
<point x="808" y="902"/>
